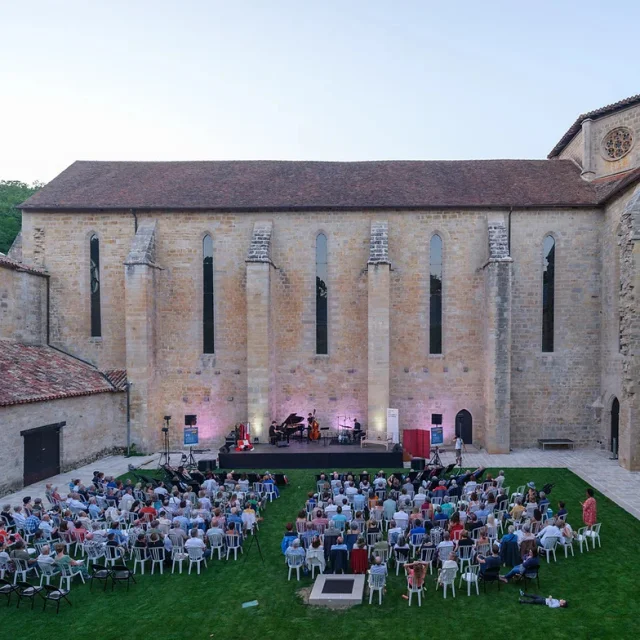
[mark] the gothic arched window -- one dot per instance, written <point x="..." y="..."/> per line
<point x="435" y="295"/>
<point x="322" y="337"/>
<point x="94" y="276"/>
<point x="207" y="296"/>
<point x="548" y="292"/>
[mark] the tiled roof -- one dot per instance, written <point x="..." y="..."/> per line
<point x="596" y="113"/>
<point x="117" y="377"/>
<point x="611" y="185"/>
<point x="31" y="373"/>
<point x="9" y="263"/>
<point x="282" y="186"/>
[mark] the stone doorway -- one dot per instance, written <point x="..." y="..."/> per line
<point x="615" y="426"/>
<point x="464" y="426"/>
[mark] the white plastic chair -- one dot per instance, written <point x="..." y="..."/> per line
<point x="470" y="576"/>
<point x="447" y="578"/>
<point x="196" y="556"/>
<point x="582" y="539"/>
<point x="295" y="562"/>
<point x="22" y="568"/>
<point x="233" y="544"/>
<point x="593" y="533"/>
<point x="68" y="572"/>
<point x="216" y="542"/>
<point x="178" y="557"/>
<point x="139" y="555"/>
<point x="415" y="542"/>
<point x="48" y="570"/>
<point x="414" y="589"/>
<point x="401" y="557"/>
<point x="313" y="564"/>
<point x="5" y="565"/>
<point x="156" y="555"/>
<point x="567" y="544"/>
<point x="377" y="582"/>
<point x="550" y="544"/>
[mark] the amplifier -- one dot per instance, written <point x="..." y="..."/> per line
<point x="207" y="465"/>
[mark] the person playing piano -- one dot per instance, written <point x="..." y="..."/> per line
<point x="274" y="432"/>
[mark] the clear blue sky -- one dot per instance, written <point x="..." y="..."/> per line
<point x="323" y="80"/>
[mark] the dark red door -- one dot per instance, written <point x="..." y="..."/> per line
<point x="41" y="452"/>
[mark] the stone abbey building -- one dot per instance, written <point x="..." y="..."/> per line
<point x="501" y="295"/>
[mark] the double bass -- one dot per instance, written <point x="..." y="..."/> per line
<point x="314" y="433"/>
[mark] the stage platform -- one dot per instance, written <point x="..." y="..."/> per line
<point x="312" y="455"/>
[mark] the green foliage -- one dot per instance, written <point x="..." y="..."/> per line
<point x="12" y="193"/>
<point x="601" y="586"/>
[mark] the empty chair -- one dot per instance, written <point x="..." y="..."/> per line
<point x="582" y="539"/>
<point x="470" y="576"/>
<point x="447" y="578"/>
<point x="376" y="582"/>
<point x="6" y="589"/>
<point x="100" y="572"/>
<point x="27" y="591"/>
<point x="532" y="574"/>
<point x="52" y="594"/>
<point x="593" y="534"/>
<point x="294" y="561"/>
<point x="68" y="572"/>
<point x="196" y="556"/>
<point x="121" y="573"/>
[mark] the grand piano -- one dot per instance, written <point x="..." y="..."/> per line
<point x="288" y="428"/>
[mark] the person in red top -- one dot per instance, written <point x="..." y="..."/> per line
<point x="148" y="508"/>
<point x="455" y="526"/>
<point x="589" y="512"/>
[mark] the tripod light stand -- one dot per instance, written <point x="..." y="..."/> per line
<point x="165" y="455"/>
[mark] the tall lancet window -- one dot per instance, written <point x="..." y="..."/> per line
<point x="207" y="296"/>
<point x="322" y="329"/>
<point x="548" y="292"/>
<point x="435" y="295"/>
<point x="94" y="276"/>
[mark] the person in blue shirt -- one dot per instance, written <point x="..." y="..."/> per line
<point x="340" y="517"/>
<point x="289" y="536"/>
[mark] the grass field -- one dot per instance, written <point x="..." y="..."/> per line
<point x="602" y="589"/>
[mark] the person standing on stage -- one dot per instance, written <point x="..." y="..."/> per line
<point x="459" y="444"/>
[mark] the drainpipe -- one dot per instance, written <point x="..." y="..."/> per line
<point x="129" y="418"/>
<point x="135" y="220"/>
<point x="509" y="236"/>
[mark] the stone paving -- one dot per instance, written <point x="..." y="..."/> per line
<point x="593" y="466"/>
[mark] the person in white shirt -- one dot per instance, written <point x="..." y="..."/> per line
<point x="45" y="556"/>
<point x="402" y="519"/>
<point x="195" y="542"/>
<point x="210" y="485"/>
<point x="18" y="517"/>
<point x="351" y="490"/>
<point x="126" y="501"/>
<point x="550" y="531"/>
<point x="551" y="602"/>
<point x="330" y="511"/>
<point x="46" y="527"/>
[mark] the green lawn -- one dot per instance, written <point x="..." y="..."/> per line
<point x="601" y="587"/>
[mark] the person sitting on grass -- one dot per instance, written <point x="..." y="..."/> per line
<point x="551" y="602"/>
<point x="530" y="563"/>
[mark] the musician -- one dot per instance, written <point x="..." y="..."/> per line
<point x="310" y="420"/>
<point x="357" y="430"/>
<point x="274" y="432"/>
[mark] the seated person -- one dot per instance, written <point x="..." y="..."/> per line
<point x="289" y="536"/>
<point x="561" y="509"/>
<point x="315" y="554"/>
<point x="378" y="567"/>
<point x="530" y="563"/>
<point x="19" y="552"/>
<point x="194" y="542"/>
<point x="77" y="566"/>
<point x="416" y="572"/>
<point x="358" y="433"/>
<point x="490" y="562"/>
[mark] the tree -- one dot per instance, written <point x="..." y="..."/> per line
<point x="12" y="193"/>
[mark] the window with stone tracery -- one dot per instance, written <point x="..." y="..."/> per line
<point x="94" y="279"/>
<point x="617" y="143"/>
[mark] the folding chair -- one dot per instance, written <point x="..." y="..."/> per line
<point x="6" y="589"/>
<point x="51" y="594"/>
<point x="121" y="573"/>
<point x="27" y="591"/>
<point x="100" y="572"/>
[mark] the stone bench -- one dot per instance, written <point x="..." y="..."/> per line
<point x="555" y="442"/>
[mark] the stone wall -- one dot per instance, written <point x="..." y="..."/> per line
<point x="574" y="150"/>
<point x="95" y="424"/>
<point x="23" y="306"/>
<point x="552" y="393"/>
<point x="214" y="386"/>
<point x="627" y="118"/>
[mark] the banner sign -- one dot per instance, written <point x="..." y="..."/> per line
<point x="190" y="436"/>
<point x="437" y="436"/>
